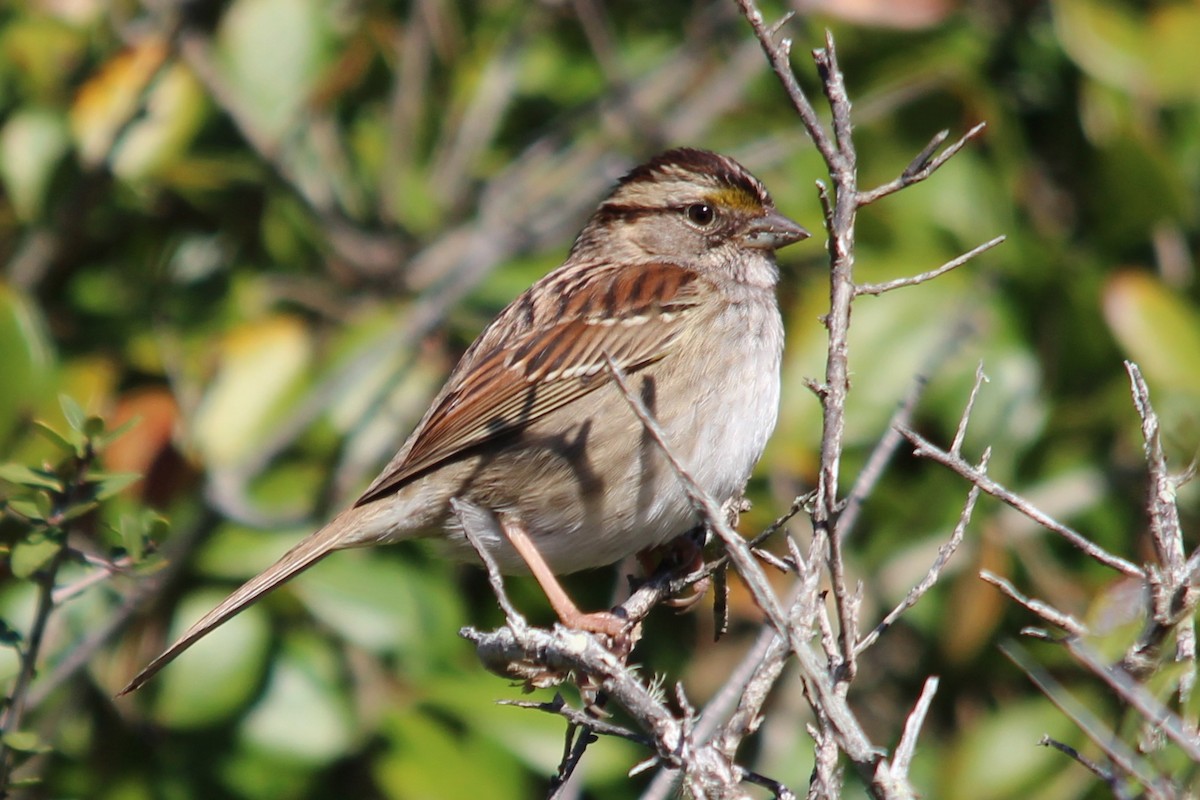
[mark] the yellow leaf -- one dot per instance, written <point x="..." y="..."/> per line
<point x="110" y="98"/>
<point x="259" y="363"/>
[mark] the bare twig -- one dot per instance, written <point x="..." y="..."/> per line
<point x="175" y="558"/>
<point x="851" y="738"/>
<point x="1172" y="591"/>
<point x="925" y="449"/>
<point x="797" y="506"/>
<point x="707" y="773"/>
<point x="1044" y="610"/>
<point x="467" y="514"/>
<point x="837" y="148"/>
<point x="1106" y="775"/>
<point x="931" y="577"/>
<point x="558" y="706"/>
<point x="1049" y="613"/>
<point x="778" y="55"/>
<point x="736" y="547"/>
<point x="576" y="741"/>
<point x="881" y="454"/>
<point x="1140" y="699"/>
<point x="960" y="433"/>
<point x="923" y="165"/>
<point x="1163" y="512"/>
<point x="1097" y="732"/>
<point x="887" y="445"/>
<point x="954" y="263"/>
<point x="907" y="747"/>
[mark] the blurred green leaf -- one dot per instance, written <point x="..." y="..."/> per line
<point x="32" y="145"/>
<point x="533" y="737"/>
<point x="47" y="50"/>
<point x="76" y="417"/>
<point x="155" y="143"/>
<point x="93" y="427"/>
<point x="136" y="530"/>
<point x="34" y="478"/>
<point x="26" y="355"/>
<point x="467" y="767"/>
<point x="1157" y="328"/>
<point x="249" y="774"/>
<point x="1000" y="757"/>
<point x="216" y="676"/>
<point x="25" y="742"/>
<point x="111" y="484"/>
<point x="261" y="363"/>
<point x="273" y="52"/>
<point x="383" y="604"/>
<point x="1141" y="49"/>
<point x="103" y="439"/>
<point x="30" y="509"/>
<point x="54" y="437"/>
<point x="302" y="716"/>
<point x="30" y="556"/>
<point x="76" y="510"/>
<point x="10" y="662"/>
<point x="235" y="552"/>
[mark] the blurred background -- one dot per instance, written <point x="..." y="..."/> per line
<point x="267" y="228"/>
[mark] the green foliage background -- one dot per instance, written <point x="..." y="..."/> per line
<point x="267" y="227"/>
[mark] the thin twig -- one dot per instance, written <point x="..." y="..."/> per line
<point x="925" y="449"/>
<point x="1058" y="619"/>
<point x="778" y="55"/>
<point x="954" y="263"/>
<point x="776" y="788"/>
<point x="1163" y="512"/>
<point x="1097" y="732"/>
<point x="104" y="570"/>
<point x="577" y="739"/>
<point x="960" y="433"/>
<point x="887" y="445"/>
<point x="558" y="706"/>
<point x="736" y="547"/>
<point x="851" y="737"/>
<point x="797" y="506"/>
<point x="1172" y="594"/>
<point x="707" y="773"/>
<point x="922" y="166"/>
<point x="1106" y="775"/>
<point x="1134" y="693"/>
<point x="945" y="552"/>
<point x="907" y="747"/>
<point x="465" y="510"/>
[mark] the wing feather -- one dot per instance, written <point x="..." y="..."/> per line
<point x="536" y="359"/>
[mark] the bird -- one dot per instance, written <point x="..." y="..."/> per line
<point x="672" y="281"/>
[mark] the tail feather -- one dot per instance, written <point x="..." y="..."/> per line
<point x="308" y="552"/>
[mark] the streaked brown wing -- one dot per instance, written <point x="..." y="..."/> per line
<point x="555" y="356"/>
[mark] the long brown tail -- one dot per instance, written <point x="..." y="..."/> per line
<point x="308" y="552"/>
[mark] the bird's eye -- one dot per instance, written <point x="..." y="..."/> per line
<point x="700" y="214"/>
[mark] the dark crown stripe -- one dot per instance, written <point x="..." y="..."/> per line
<point x="699" y="162"/>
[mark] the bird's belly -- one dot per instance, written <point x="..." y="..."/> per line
<point x="593" y="500"/>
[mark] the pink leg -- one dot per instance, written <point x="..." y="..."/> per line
<point x="602" y="622"/>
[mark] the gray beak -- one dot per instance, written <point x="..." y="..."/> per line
<point x="773" y="231"/>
